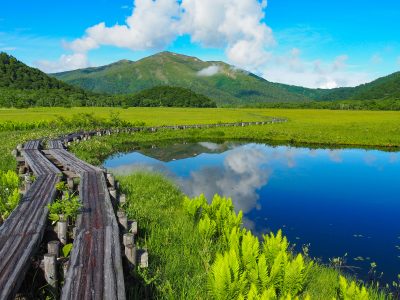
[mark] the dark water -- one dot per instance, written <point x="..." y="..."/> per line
<point x="338" y="201"/>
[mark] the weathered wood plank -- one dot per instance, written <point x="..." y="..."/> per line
<point x="22" y="232"/>
<point x="95" y="269"/>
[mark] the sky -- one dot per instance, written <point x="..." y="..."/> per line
<point x="319" y="44"/>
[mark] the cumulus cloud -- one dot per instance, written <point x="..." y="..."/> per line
<point x="65" y="62"/>
<point x="209" y="71"/>
<point x="292" y="69"/>
<point x="234" y="25"/>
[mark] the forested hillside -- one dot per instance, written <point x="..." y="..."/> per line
<point x="23" y="86"/>
<point x="169" y="96"/>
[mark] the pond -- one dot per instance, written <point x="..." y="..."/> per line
<point x="336" y="201"/>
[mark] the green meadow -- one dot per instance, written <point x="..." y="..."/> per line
<point x="358" y="128"/>
<point x="191" y="255"/>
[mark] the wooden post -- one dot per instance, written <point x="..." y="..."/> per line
<point x="53" y="247"/>
<point x="130" y="253"/>
<point x="143" y="259"/>
<point x="128" y="239"/>
<point x="50" y="269"/>
<point x="123" y="220"/>
<point x="122" y="199"/>
<point x="134" y="228"/>
<point x="22" y="169"/>
<point x="65" y="268"/>
<point x="14" y="153"/>
<point x="28" y="181"/>
<point x="113" y="194"/>
<point x="62" y="231"/>
<point x="70" y="183"/>
<point x="111" y="179"/>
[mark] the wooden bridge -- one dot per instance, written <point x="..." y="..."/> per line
<point x="95" y="268"/>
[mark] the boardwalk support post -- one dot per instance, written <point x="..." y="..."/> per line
<point x="28" y="181"/>
<point x="130" y="253"/>
<point x="50" y="269"/>
<point x="128" y="239"/>
<point x="113" y="194"/>
<point x="53" y="247"/>
<point x="134" y="227"/>
<point x="143" y="259"/>
<point x="70" y="183"/>
<point x="122" y="199"/>
<point x="62" y="231"/>
<point x="111" y="179"/>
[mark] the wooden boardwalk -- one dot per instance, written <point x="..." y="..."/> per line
<point x="22" y="232"/>
<point x="95" y="266"/>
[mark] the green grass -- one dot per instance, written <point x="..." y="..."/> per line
<point x="325" y="127"/>
<point x="176" y="267"/>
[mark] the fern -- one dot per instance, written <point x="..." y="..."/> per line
<point x="193" y="207"/>
<point x="273" y="245"/>
<point x="351" y="291"/>
<point x="227" y="281"/>
<point x="295" y="276"/>
<point x="207" y="227"/>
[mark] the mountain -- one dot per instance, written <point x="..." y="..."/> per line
<point x="384" y="88"/>
<point x="168" y="96"/>
<point x="23" y="86"/>
<point x="219" y="81"/>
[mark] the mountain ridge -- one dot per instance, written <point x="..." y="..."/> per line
<point x="228" y="85"/>
<point x="223" y="83"/>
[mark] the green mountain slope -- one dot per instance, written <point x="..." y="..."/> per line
<point x="384" y="88"/>
<point x="167" y="96"/>
<point x="23" y="86"/>
<point x="227" y="86"/>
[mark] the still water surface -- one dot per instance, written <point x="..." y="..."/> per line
<point x="338" y="201"/>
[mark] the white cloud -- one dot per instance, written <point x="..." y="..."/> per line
<point x="292" y="69"/>
<point x="66" y="62"/>
<point x="209" y="71"/>
<point x="234" y="25"/>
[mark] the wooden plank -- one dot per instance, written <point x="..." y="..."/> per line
<point x="22" y="232"/>
<point x="39" y="164"/>
<point x="95" y="269"/>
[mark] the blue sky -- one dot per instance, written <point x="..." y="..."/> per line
<point x="310" y="43"/>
